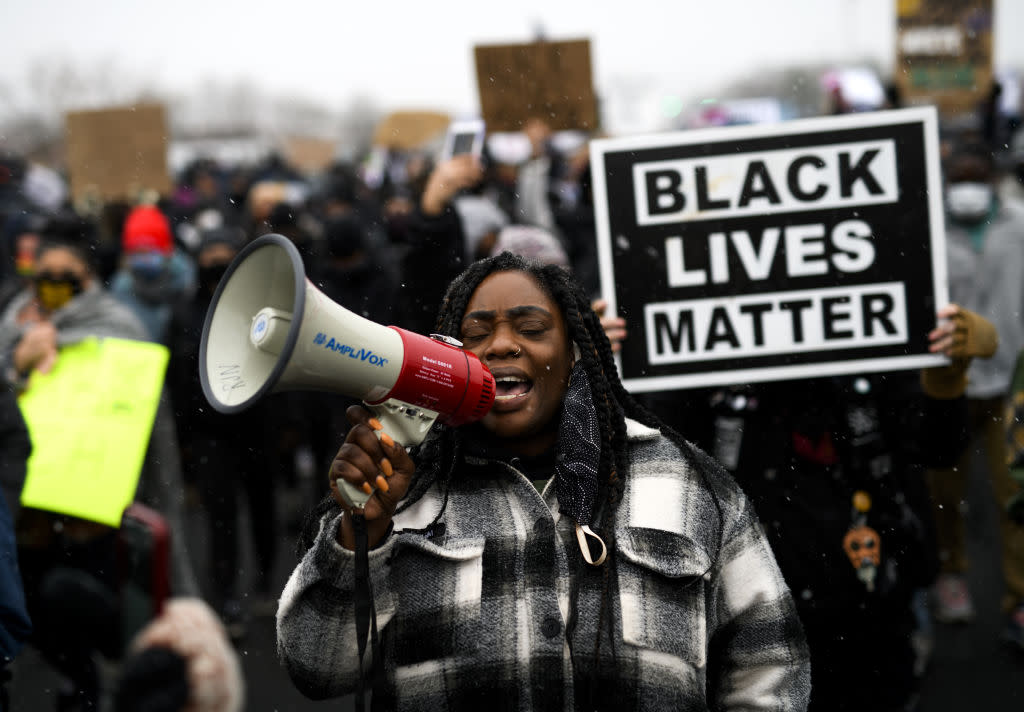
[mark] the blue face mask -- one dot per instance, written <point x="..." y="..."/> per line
<point x="147" y="265"/>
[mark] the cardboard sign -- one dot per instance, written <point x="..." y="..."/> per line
<point x="309" y="154"/>
<point x="117" y="153"/>
<point x="407" y="130"/>
<point x="546" y="80"/>
<point x="90" y="420"/>
<point x="791" y="250"/>
<point x="944" y="54"/>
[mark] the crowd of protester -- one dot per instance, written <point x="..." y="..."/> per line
<point x="886" y="452"/>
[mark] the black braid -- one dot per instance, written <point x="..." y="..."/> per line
<point x="437" y="458"/>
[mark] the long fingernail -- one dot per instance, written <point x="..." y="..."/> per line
<point x="386" y="439"/>
<point x="366" y="487"/>
<point x="385" y="465"/>
<point x="382" y="484"/>
<point x="375" y="424"/>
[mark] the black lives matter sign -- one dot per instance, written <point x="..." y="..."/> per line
<point x="806" y="248"/>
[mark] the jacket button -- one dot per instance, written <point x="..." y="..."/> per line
<point x="551" y="627"/>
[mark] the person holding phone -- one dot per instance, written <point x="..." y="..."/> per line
<point x="569" y="551"/>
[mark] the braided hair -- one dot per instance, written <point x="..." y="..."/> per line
<point x="437" y="458"/>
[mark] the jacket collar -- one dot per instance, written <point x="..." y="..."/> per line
<point x="637" y="431"/>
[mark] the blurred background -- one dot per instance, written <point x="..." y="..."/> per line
<point x="264" y="75"/>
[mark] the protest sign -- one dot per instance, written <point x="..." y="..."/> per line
<point x="90" y="421"/>
<point x="408" y="130"/>
<point x="308" y="154"/>
<point x="944" y="52"/>
<point x="546" y="80"/>
<point x="755" y="253"/>
<point x="117" y="153"/>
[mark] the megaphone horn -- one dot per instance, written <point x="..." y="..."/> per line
<point x="269" y="329"/>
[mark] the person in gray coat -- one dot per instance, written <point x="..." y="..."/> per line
<point x="985" y="254"/>
<point x="68" y="563"/>
<point x="569" y="551"/>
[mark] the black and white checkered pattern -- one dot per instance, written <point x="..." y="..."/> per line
<point x="474" y="616"/>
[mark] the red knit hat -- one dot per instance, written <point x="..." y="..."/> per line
<point x="146" y="230"/>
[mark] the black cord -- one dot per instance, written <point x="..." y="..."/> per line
<point x="366" y="612"/>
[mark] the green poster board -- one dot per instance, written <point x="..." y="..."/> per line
<point x="90" y="420"/>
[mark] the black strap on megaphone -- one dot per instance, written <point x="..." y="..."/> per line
<point x="366" y="612"/>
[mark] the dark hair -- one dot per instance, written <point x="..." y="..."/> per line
<point x="69" y="231"/>
<point x="438" y="457"/>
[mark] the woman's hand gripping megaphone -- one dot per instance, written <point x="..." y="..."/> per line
<point x="372" y="463"/>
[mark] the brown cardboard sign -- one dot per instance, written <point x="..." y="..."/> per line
<point x="117" y="153"/>
<point x="309" y="154"/>
<point x="546" y="80"/>
<point x="406" y="130"/>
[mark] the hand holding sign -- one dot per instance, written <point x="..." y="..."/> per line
<point x="961" y="335"/>
<point x="37" y="350"/>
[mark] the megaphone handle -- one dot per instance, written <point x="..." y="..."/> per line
<point x="407" y="425"/>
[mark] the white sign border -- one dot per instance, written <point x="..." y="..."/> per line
<point x="925" y="115"/>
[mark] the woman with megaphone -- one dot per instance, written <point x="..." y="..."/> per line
<point x="567" y="551"/>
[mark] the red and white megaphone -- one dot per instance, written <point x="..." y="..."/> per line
<point x="269" y="329"/>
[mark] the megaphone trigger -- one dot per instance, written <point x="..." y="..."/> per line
<point x="406" y="424"/>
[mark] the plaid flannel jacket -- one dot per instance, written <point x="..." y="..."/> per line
<point x="474" y="614"/>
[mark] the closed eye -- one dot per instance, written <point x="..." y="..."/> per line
<point x="532" y="329"/>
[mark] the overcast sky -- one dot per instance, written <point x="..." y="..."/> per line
<point x="419" y="54"/>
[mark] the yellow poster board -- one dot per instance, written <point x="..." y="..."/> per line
<point x="90" y="421"/>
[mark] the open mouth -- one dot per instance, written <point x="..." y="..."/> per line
<point x="509" y="388"/>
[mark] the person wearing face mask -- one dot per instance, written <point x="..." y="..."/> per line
<point x="65" y="304"/>
<point x="353" y="272"/>
<point x="217" y="449"/>
<point x="985" y="253"/>
<point x="154" y="276"/>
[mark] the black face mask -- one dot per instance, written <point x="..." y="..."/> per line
<point x="56" y="290"/>
<point x="210" y="275"/>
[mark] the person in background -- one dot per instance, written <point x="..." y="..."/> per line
<point x="154" y="276"/>
<point x="985" y="256"/>
<point x="20" y="237"/>
<point x="223" y="455"/>
<point x="15" y="448"/>
<point x="835" y="470"/>
<point x="533" y="243"/>
<point x="437" y="244"/>
<point x="67" y="562"/>
<point x="181" y="661"/>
